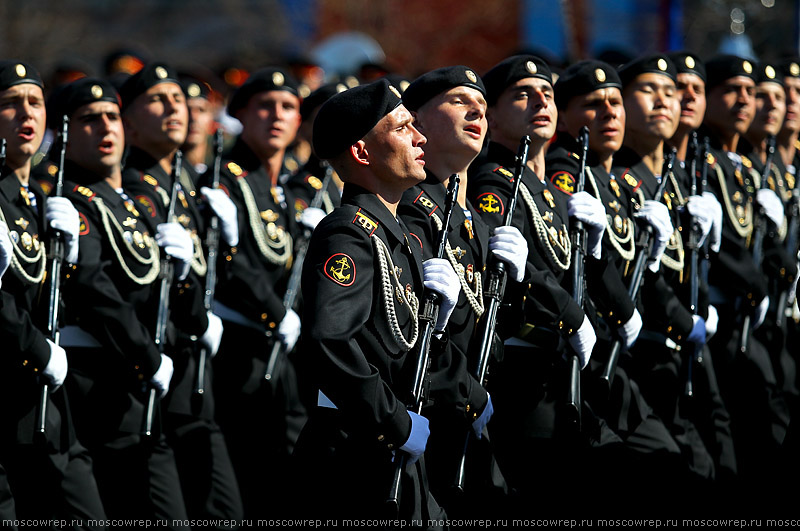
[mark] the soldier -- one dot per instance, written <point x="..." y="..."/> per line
<point x="155" y="116"/>
<point x="201" y="101"/>
<point x="449" y="107"/>
<point x="50" y="474"/>
<point x="261" y="420"/>
<point x="737" y="288"/>
<point x="362" y="280"/>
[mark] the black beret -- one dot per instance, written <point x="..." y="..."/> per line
<point x="399" y="81"/>
<point x="264" y="80"/>
<point x="790" y="67"/>
<point x="724" y="67"/>
<point x="650" y="64"/>
<point x="344" y="119"/>
<point x="582" y="78"/>
<point x="195" y="88"/>
<point x="688" y="63"/>
<point x="510" y="70"/>
<point x="320" y="96"/>
<point x="767" y="73"/>
<point x="68" y="98"/>
<point x="433" y="83"/>
<point x="151" y="75"/>
<point x="17" y="72"/>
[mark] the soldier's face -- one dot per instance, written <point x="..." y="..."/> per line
<point x="524" y="108"/>
<point x="692" y="95"/>
<point x="201" y="121"/>
<point x="270" y="121"/>
<point x="603" y="113"/>
<point x="22" y="122"/>
<point x="731" y="105"/>
<point x="791" y="89"/>
<point x="158" y="118"/>
<point x="394" y="148"/>
<point x="651" y="107"/>
<point x="454" y="123"/>
<point x="770" y="109"/>
<point x="96" y="137"/>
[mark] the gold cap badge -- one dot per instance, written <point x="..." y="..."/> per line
<point x="471" y="76"/>
<point x="794" y="69"/>
<point x="97" y="91"/>
<point x="689" y="62"/>
<point x="769" y="72"/>
<point x="161" y="72"/>
<point x="193" y="90"/>
<point x="20" y="70"/>
<point x="277" y="79"/>
<point x="531" y="67"/>
<point x="599" y="75"/>
<point x="662" y="65"/>
<point x="747" y="67"/>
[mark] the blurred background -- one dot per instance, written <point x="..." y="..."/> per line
<point x="223" y="40"/>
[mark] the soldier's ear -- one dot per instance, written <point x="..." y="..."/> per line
<point x="359" y="153"/>
<point x="490" y="119"/>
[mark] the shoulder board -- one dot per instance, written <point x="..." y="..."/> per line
<point x="149" y="179"/>
<point x="52" y="169"/>
<point x="365" y="222"/>
<point x="574" y="155"/>
<point x="84" y="191"/>
<point x="564" y="181"/>
<point x="314" y="182"/>
<point x="631" y="180"/>
<point x="426" y="202"/>
<point x="747" y="163"/>
<point x="234" y="168"/>
<point x="504" y="172"/>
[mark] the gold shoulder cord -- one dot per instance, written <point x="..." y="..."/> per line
<point x="616" y="241"/>
<point x="18" y="256"/>
<point x="544" y="236"/>
<point x="743" y="226"/>
<point x="675" y="243"/>
<point x="277" y="251"/>
<point x="109" y="221"/>
<point x="199" y="265"/>
<point x="409" y="299"/>
<point x="474" y="297"/>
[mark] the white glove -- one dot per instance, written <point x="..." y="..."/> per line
<point x="712" y="204"/>
<point x="6" y="248"/>
<point x="289" y="329"/>
<point x="584" y="207"/>
<point x="439" y="276"/>
<point x="582" y="341"/>
<point x="712" y="322"/>
<point x="656" y="214"/>
<point x="178" y="244"/>
<point x="699" y="210"/>
<point x="225" y="210"/>
<point x="761" y="312"/>
<point x="772" y="205"/>
<point x="311" y="217"/>
<point x="163" y="375"/>
<point x="629" y="331"/>
<point x="62" y="216"/>
<point x="509" y="245"/>
<point x="213" y="334"/>
<point x="56" y="370"/>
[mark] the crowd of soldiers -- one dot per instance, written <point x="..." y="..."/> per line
<point x="459" y="296"/>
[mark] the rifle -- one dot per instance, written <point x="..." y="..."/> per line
<point x="212" y="244"/>
<point x="56" y="258"/>
<point x="644" y="244"/>
<point x="758" y="240"/>
<point x="167" y="271"/>
<point x="573" y="405"/>
<point x="430" y="313"/>
<point x="493" y="293"/>
<point x="791" y="249"/>
<point x="693" y="248"/>
<point x="278" y="351"/>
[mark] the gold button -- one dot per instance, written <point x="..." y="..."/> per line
<point x="560" y="325"/>
<point x="272" y="325"/>
<point x="263" y="317"/>
<point x="136" y="367"/>
<point x="610" y="313"/>
<point x="474" y="415"/>
<point x="570" y="331"/>
<point x="783" y="271"/>
<point x="390" y="446"/>
<point x="380" y="438"/>
<point x="669" y="329"/>
<point x="468" y="408"/>
<point x="619" y="321"/>
<point x="228" y="258"/>
<point x="524" y="298"/>
<point x="234" y="250"/>
<point x="35" y="369"/>
<point x="749" y="295"/>
<point x="24" y="363"/>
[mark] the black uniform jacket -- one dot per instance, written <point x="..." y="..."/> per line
<point x="307" y="183"/>
<point x="547" y="304"/>
<point x="251" y="277"/>
<point x="23" y="309"/>
<point x="453" y="380"/>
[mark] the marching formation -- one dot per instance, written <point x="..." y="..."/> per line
<point x="464" y="296"/>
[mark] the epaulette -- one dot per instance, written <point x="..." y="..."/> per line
<point x="505" y="173"/>
<point x="314" y="182"/>
<point x="426" y="202"/>
<point x="52" y="169"/>
<point x="631" y="180"/>
<point x="574" y="155"/>
<point x="235" y="169"/>
<point x="564" y="181"/>
<point x="84" y="191"/>
<point x="747" y="163"/>
<point x="365" y="222"/>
